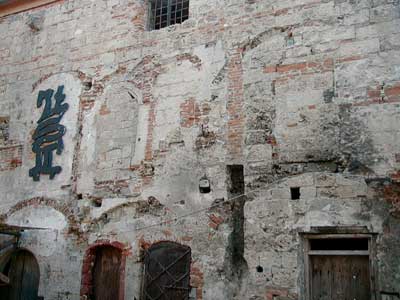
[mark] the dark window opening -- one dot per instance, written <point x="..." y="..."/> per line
<point x="295" y="193"/>
<point x="167" y="272"/>
<point x="338" y="244"/>
<point x="236" y="177"/>
<point x="164" y="13"/>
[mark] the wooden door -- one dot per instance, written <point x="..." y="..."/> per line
<point x="24" y="276"/>
<point x="106" y="274"/>
<point x="340" y="277"/>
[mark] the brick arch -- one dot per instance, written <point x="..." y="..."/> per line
<point x="41" y="201"/>
<point x="88" y="263"/>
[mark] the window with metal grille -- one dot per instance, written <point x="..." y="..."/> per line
<point x="164" y="13"/>
<point x="167" y="272"/>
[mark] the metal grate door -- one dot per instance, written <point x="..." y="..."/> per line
<point x="167" y="272"/>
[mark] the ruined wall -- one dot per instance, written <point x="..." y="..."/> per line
<point x="301" y="93"/>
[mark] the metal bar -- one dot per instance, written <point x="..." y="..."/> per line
<point x="162" y="290"/>
<point x="148" y="296"/>
<point x="152" y="14"/>
<point x="172" y="264"/>
<point x="160" y="14"/>
<point x="182" y="277"/>
<point x="156" y="284"/>
<point x="176" y="9"/>
<point x="177" y="288"/>
<point x="169" y="13"/>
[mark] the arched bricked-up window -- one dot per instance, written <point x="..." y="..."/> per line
<point x="167" y="272"/>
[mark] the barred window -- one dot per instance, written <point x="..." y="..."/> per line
<point x="167" y="272"/>
<point x="164" y="13"/>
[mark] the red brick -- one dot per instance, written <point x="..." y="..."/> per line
<point x="291" y="67"/>
<point x="276" y="292"/>
<point x="392" y="91"/>
<point x="10" y="157"/>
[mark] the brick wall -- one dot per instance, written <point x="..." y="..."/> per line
<point x="284" y="88"/>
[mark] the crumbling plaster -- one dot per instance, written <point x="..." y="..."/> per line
<point x="301" y="93"/>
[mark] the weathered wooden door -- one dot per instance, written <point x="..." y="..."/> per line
<point x="106" y="273"/>
<point x="337" y="277"/>
<point x="24" y="276"/>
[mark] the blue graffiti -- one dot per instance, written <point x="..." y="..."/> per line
<point x="49" y="133"/>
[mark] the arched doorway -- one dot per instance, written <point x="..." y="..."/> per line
<point x="23" y="272"/>
<point x="103" y="272"/>
<point x="106" y="273"/>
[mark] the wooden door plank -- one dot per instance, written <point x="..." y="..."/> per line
<point x="106" y="274"/>
<point x="16" y="271"/>
<point x="24" y="276"/>
<point x="340" y="277"/>
<point x="30" y="278"/>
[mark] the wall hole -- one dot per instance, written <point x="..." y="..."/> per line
<point x="295" y="193"/>
<point x="259" y="269"/>
<point x="96" y="202"/>
<point x="87" y="85"/>
<point x="204" y="185"/>
<point x="236" y="176"/>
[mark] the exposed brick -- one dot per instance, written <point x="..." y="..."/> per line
<point x="10" y="157"/>
<point x="190" y="113"/>
<point x="273" y="293"/>
<point x="235" y="105"/>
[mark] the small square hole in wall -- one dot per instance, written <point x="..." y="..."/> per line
<point x="295" y="193"/>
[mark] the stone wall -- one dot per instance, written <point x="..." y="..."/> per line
<point x="301" y="93"/>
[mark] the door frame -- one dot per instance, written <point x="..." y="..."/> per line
<point x="88" y="263"/>
<point x="345" y="233"/>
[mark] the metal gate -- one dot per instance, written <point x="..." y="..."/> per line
<point x="167" y="272"/>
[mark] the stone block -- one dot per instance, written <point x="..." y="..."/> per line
<point x="325" y="180"/>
